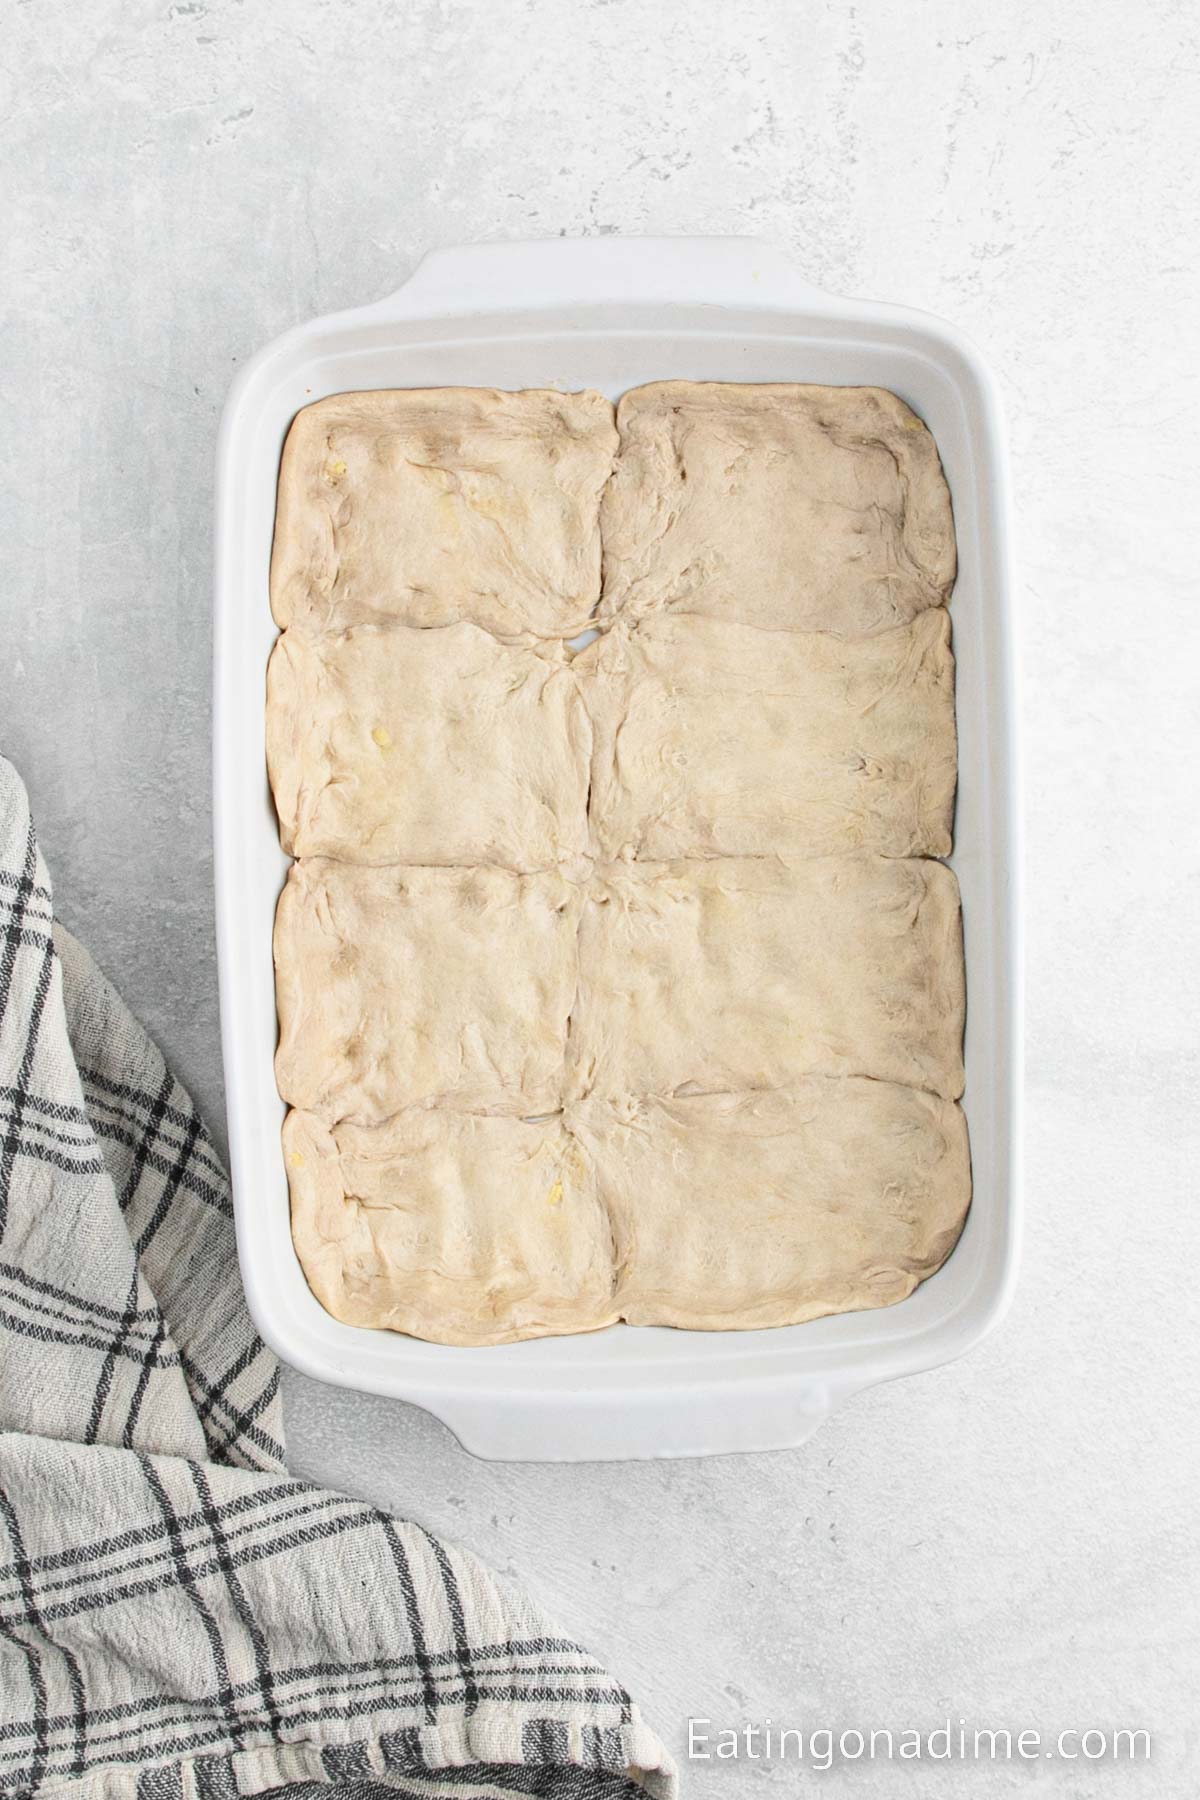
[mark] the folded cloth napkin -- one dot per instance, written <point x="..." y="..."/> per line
<point x="179" y="1620"/>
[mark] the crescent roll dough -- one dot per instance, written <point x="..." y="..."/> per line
<point x="718" y="739"/>
<point x="417" y="987"/>
<point x="618" y="982"/>
<point x="431" y="505"/>
<point x="712" y="1213"/>
<point x="449" y="1226"/>
<point x="757" y="1209"/>
<point x="386" y="744"/>
<point x="794" y="508"/>
<point x="712" y="976"/>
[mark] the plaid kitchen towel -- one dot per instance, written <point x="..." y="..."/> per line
<point x="179" y="1620"/>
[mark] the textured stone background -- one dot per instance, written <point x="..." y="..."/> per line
<point x="1012" y="1539"/>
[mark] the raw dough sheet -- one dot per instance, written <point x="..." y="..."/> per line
<point x="431" y="505"/>
<point x="405" y="986"/>
<point x="743" y="1209"/>
<point x="719" y="976"/>
<point x="791" y="508"/>
<point x="709" y="1213"/>
<point x="620" y="984"/>
<point x="464" y="1229"/>
<point x="387" y="744"/>
<point x="718" y="739"/>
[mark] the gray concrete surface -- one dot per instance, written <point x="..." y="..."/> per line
<point x="1013" y="1539"/>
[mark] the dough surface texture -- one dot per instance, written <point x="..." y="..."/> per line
<point x="431" y="505"/>
<point x="717" y="739"/>
<point x="463" y="1229"/>
<point x="618" y="982"/>
<point x="387" y="744"/>
<point x="403" y="987"/>
<point x="707" y="977"/>
<point x="791" y="508"/>
<point x="758" y="1209"/>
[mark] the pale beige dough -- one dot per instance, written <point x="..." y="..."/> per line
<point x="387" y="744"/>
<point x="788" y="507"/>
<point x="759" y="1209"/>
<point x="747" y="973"/>
<point x="718" y="739"/>
<point x="732" y="1211"/>
<point x="399" y="987"/>
<point x="449" y="1226"/>
<point x="686" y="1054"/>
<point x="431" y="505"/>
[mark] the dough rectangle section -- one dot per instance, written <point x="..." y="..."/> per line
<point x="729" y="974"/>
<point x="387" y="744"/>
<point x="712" y="738"/>
<point x="433" y="505"/>
<point x="464" y="1229"/>
<point x="792" y="508"/>
<point x="768" y="1208"/>
<point x="774" y="1207"/>
<point x="402" y="987"/>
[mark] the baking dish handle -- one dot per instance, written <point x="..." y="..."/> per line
<point x="716" y="271"/>
<point x="637" y="1425"/>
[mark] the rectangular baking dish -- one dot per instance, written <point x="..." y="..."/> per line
<point x="609" y="313"/>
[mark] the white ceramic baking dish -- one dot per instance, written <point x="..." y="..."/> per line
<point x="609" y="313"/>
